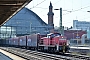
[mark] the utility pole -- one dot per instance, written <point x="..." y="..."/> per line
<point x="77" y="37"/>
<point x="61" y="28"/>
<point x="60" y="25"/>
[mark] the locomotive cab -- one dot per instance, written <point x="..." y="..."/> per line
<point x="52" y="35"/>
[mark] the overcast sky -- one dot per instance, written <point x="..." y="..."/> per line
<point x="72" y="10"/>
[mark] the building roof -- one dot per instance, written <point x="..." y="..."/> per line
<point x="39" y="19"/>
<point x="24" y="16"/>
<point x="8" y="8"/>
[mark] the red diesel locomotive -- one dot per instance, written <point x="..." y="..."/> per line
<point x="53" y="42"/>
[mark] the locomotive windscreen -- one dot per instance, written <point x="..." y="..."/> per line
<point x="55" y="34"/>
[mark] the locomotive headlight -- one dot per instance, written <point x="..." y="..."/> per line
<point x="62" y="37"/>
<point x="67" y="43"/>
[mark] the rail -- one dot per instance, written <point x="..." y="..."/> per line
<point x="28" y="54"/>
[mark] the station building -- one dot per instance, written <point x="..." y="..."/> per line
<point x="27" y="22"/>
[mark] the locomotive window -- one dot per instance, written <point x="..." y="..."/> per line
<point x="53" y="35"/>
<point x="48" y="36"/>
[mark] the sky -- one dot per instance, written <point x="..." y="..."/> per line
<point x="71" y="10"/>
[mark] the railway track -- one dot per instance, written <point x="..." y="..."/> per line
<point x="35" y="55"/>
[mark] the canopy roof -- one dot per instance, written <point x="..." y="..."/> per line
<point x="8" y="8"/>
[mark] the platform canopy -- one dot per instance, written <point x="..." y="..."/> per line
<point x="9" y="8"/>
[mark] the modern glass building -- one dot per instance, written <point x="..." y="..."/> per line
<point x="25" y="22"/>
<point x="82" y="25"/>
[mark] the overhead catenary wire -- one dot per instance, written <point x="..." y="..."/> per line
<point x="44" y="11"/>
<point x="76" y="10"/>
<point x="56" y="3"/>
<point x="38" y="4"/>
<point x="43" y="7"/>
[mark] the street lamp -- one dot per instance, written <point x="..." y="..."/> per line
<point x="30" y="27"/>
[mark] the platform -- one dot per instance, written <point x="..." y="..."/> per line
<point x="4" y="57"/>
<point x="8" y="56"/>
<point x="81" y="49"/>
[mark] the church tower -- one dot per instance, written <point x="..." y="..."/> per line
<point x="50" y="16"/>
